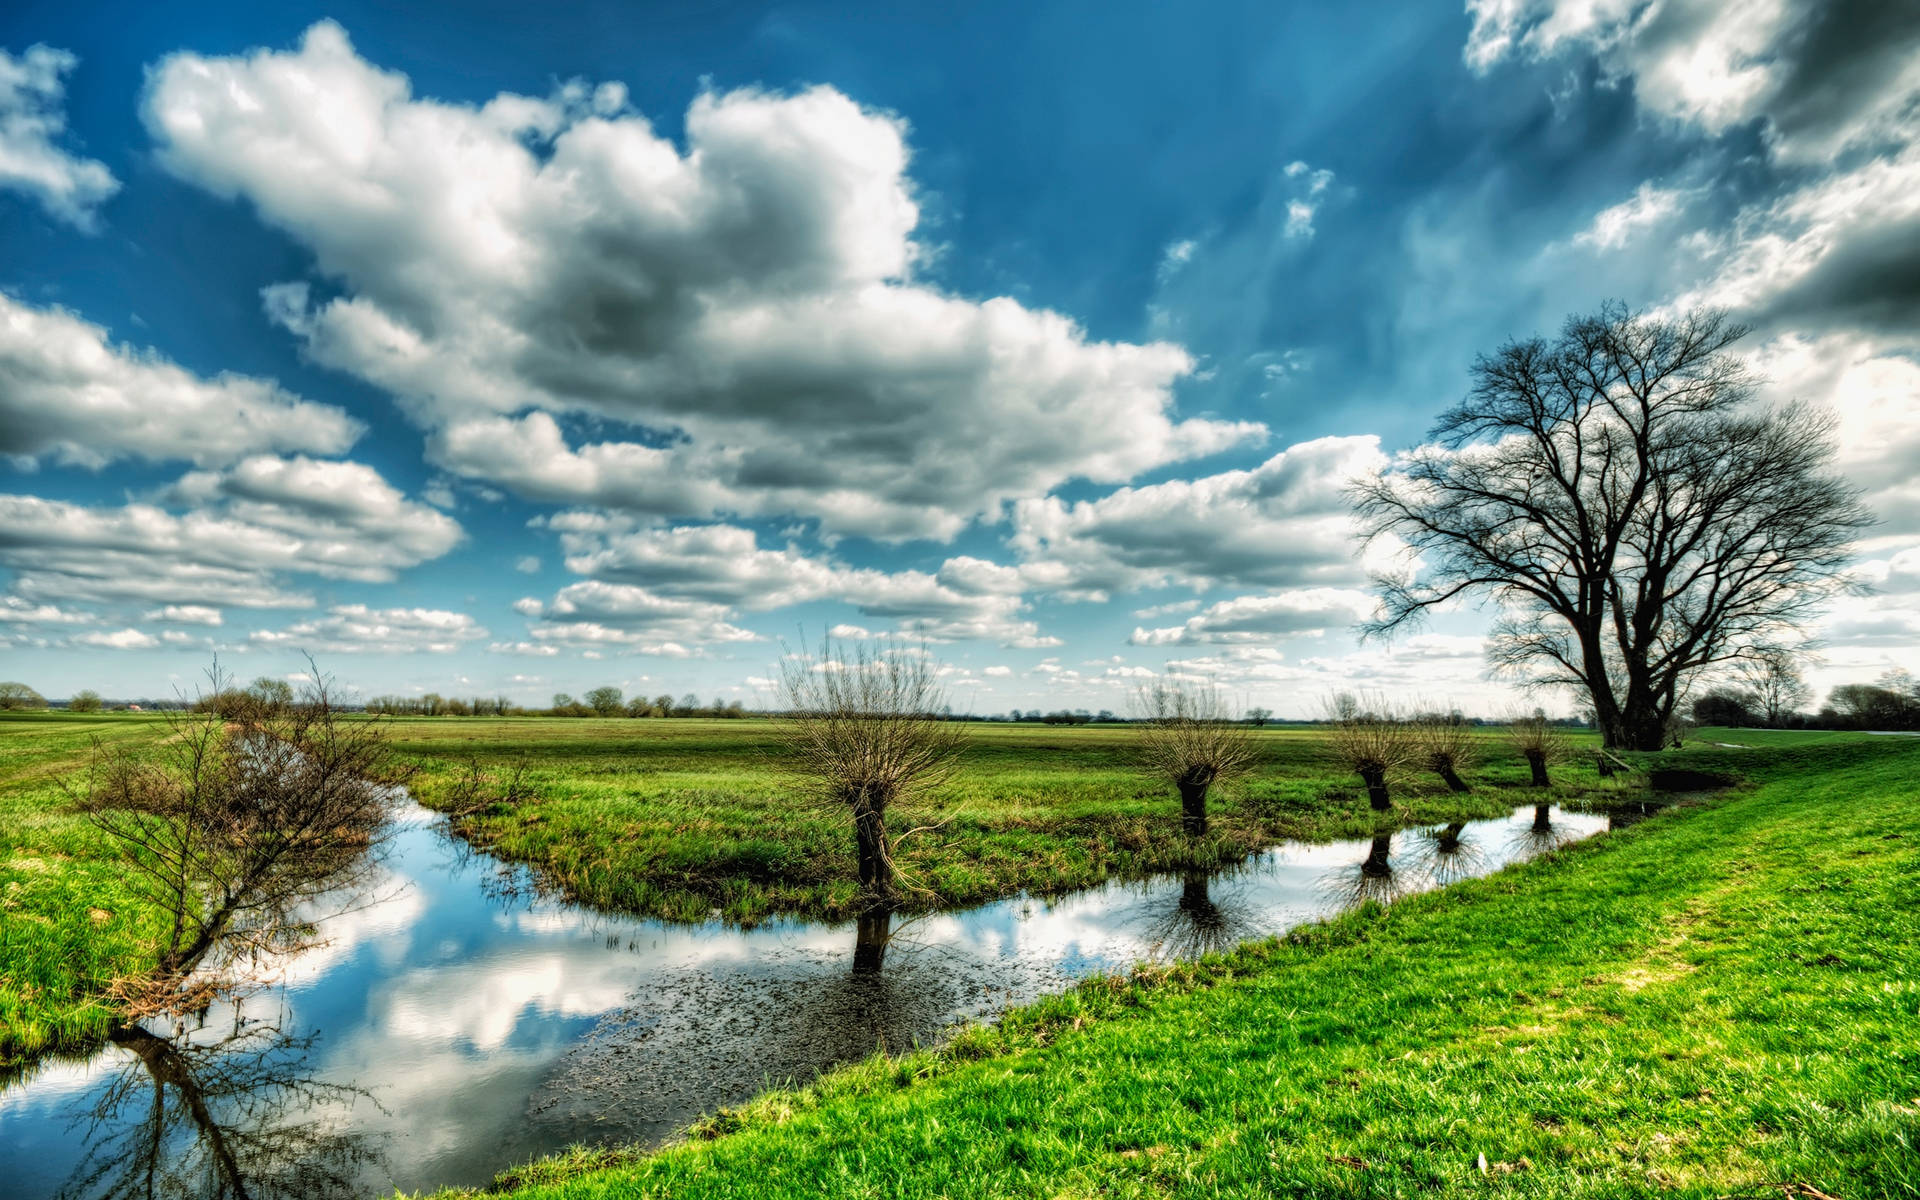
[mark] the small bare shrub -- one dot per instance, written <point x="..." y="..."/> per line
<point x="1446" y="748"/>
<point x="863" y="730"/>
<point x="1539" y="742"/>
<point x="237" y="824"/>
<point x="1374" y="743"/>
<point x="1188" y="737"/>
<point x="476" y="790"/>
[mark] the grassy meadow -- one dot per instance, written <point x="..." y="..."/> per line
<point x="683" y="818"/>
<point x="680" y="818"/>
<point x="1720" y="1001"/>
<point x="69" y="926"/>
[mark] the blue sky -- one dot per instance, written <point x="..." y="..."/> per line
<point x="483" y="350"/>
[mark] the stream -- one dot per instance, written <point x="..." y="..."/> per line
<point x="458" y="1021"/>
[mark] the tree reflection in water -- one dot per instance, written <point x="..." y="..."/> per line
<point x="232" y="1117"/>
<point x="1373" y="878"/>
<point x="1542" y="836"/>
<point x="1200" y="922"/>
<point x="871" y="933"/>
<point x="1447" y="855"/>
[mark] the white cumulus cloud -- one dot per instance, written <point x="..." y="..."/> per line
<point x="65" y="390"/>
<point x="744" y="307"/>
<point x="32" y="124"/>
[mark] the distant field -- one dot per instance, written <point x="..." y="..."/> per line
<point x="678" y="818"/>
<point x="1718" y="1002"/>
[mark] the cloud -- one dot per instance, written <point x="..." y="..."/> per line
<point x="527" y="649"/>
<point x="1310" y="184"/>
<point x="1875" y="399"/>
<point x="1311" y="611"/>
<point x="242" y="531"/>
<point x="1823" y="77"/>
<point x="350" y="522"/>
<point x="1166" y="610"/>
<point x="15" y="611"/>
<point x="1815" y="241"/>
<point x="1427" y="669"/>
<point x="1177" y="255"/>
<point x="123" y="639"/>
<point x="185" y="614"/>
<point x="65" y="390"/>
<point x="745" y="308"/>
<point x="32" y="120"/>
<point x="717" y="570"/>
<point x="1839" y="252"/>
<point x="357" y="629"/>
<point x="1283" y="523"/>
<point x="595" y="613"/>
<point x="1615" y="227"/>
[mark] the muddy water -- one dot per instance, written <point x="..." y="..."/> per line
<point x="458" y="1023"/>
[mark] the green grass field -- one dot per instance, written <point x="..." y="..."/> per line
<point x="678" y="818"/>
<point x="1722" y="1001"/>
<point x="68" y="924"/>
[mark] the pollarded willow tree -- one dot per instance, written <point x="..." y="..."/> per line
<point x="1188" y="736"/>
<point x="864" y="729"/>
<point x="1636" y="515"/>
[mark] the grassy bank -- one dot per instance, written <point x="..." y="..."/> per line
<point x="68" y="924"/>
<point x="1721" y="1001"/>
<point x="678" y="818"/>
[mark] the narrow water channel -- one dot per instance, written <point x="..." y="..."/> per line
<point x="458" y="1023"/>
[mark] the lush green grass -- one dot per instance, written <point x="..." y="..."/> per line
<point x="1720" y="1001"/>
<point x="68" y="924"/>
<point x="679" y="818"/>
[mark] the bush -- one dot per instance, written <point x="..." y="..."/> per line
<point x="86" y="700"/>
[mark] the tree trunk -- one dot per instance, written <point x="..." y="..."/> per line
<point x="1449" y="839"/>
<point x="1378" y="864"/>
<point x="870" y="836"/>
<point x="1606" y="706"/>
<point x="1193" y="808"/>
<point x="1452" y="779"/>
<point x="1377" y="797"/>
<point x="1542" y="818"/>
<point x="1644" y="730"/>
<point x="1643" y="723"/>
<point x="1605" y="764"/>
<point x="1537" y="760"/>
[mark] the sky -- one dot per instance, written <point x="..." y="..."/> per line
<point x="487" y="349"/>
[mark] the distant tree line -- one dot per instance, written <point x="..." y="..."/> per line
<point x="1773" y="699"/>
<point x="611" y="702"/>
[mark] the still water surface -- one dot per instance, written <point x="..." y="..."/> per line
<point x="458" y="1022"/>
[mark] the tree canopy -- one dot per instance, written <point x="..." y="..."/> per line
<point x="1635" y="514"/>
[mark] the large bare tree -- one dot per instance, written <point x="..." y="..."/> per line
<point x="1637" y="516"/>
